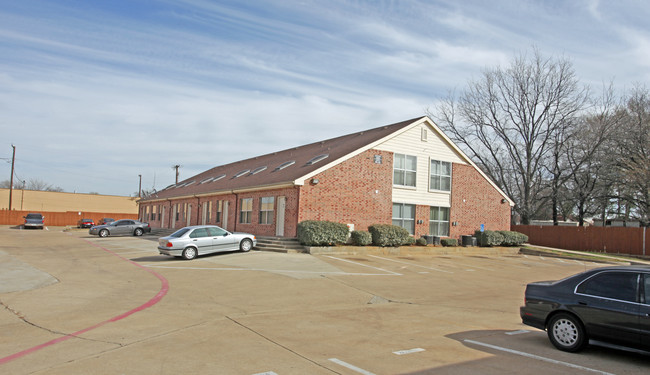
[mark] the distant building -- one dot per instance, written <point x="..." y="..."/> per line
<point x="618" y="223"/>
<point x="409" y="174"/>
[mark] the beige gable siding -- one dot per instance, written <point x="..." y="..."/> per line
<point x="410" y="143"/>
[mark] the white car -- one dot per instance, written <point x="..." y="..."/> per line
<point x="190" y="242"/>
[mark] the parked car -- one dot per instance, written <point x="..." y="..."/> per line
<point x="610" y="304"/>
<point x="33" y="220"/>
<point x="105" y="220"/>
<point x="190" y="242"/>
<point x="121" y="227"/>
<point x="85" y="223"/>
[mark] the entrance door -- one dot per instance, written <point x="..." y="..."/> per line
<point x="279" y="216"/>
<point x="224" y="219"/>
<point x="204" y="213"/>
<point x="163" y="221"/>
<point x="173" y="218"/>
<point x="189" y="214"/>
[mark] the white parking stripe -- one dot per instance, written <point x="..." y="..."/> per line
<point x="410" y="264"/>
<point x="409" y="351"/>
<point x="274" y="270"/>
<point x="351" y="367"/>
<point x="528" y="355"/>
<point x="363" y="265"/>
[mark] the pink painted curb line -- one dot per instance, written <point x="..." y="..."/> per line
<point x="163" y="291"/>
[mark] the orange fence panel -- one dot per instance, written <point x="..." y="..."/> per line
<point x="614" y="240"/>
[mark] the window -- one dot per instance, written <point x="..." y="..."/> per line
<point x="198" y="233"/>
<point x="216" y="232"/>
<point x="241" y="173"/>
<point x="404" y="216"/>
<point x="404" y="170"/>
<point x="219" y="209"/>
<point x="439" y="221"/>
<point x="318" y="158"/>
<point x="285" y="164"/>
<point x="246" y="212"/>
<point x="646" y="288"/>
<point x="613" y="285"/>
<point x="219" y="177"/>
<point x="440" y="175"/>
<point x="266" y="210"/>
<point x="258" y="170"/>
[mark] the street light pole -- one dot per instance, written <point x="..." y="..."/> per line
<point x="11" y="180"/>
<point x="140" y="187"/>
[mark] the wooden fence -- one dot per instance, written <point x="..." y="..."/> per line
<point x="613" y="240"/>
<point x="15" y="217"/>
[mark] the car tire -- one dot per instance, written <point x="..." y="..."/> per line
<point x="138" y="232"/>
<point x="103" y="233"/>
<point x="567" y="333"/>
<point x="189" y="253"/>
<point x="245" y="245"/>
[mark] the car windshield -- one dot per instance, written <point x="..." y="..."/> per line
<point x="179" y="233"/>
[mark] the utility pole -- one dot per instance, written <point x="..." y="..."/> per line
<point x="11" y="180"/>
<point x="140" y="187"/>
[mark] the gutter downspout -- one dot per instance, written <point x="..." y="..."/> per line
<point x="236" y="209"/>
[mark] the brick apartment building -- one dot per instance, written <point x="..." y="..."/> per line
<point x="408" y="174"/>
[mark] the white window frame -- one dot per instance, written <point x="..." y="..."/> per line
<point x="400" y="221"/>
<point x="439" y="176"/>
<point x="438" y="222"/>
<point x="404" y="171"/>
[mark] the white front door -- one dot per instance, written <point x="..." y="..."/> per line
<point x="279" y="216"/>
<point x="163" y="222"/>
<point x="189" y="214"/>
<point x="224" y="219"/>
<point x="204" y="213"/>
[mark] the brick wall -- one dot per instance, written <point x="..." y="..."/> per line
<point x="193" y="207"/>
<point x="474" y="202"/>
<point x="357" y="191"/>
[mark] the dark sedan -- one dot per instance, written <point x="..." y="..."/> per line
<point x="610" y="305"/>
<point x="85" y="223"/>
<point x="121" y="227"/>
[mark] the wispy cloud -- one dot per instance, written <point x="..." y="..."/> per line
<point x="110" y="90"/>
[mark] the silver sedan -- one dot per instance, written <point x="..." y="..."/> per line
<point x="121" y="227"/>
<point x="189" y="242"/>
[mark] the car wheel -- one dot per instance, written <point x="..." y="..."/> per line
<point x="245" y="245"/>
<point x="138" y="232"/>
<point x="189" y="253"/>
<point x="103" y="233"/>
<point x="567" y="333"/>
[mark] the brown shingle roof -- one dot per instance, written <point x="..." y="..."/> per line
<point x="266" y="170"/>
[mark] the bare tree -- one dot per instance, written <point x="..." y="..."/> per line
<point x="36" y="184"/>
<point x="632" y="155"/>
<point x="509" y="119"/>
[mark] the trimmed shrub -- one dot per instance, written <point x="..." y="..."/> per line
<point x="322" y="233"/>
<point x="361" y="238"/>
<point x="488" y="238"/>
<point x="449" y="242"/>
<point x="511" y="238"/>
<point x="390" y="235"/>
<point x="421" y="241"/>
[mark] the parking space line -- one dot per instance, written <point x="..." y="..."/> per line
<point x="410" y="264"/>
<point x="409" y="351"/>
<point x="363" y="265"/>
<point x="274" y="270"/>
<point x="351" y="367"/>
<point x="533" y="356"/>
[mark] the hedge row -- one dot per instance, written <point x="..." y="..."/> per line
<point x="500" y="238"/>
<point x="322" y="233"/>
<point x="328" y="233"/>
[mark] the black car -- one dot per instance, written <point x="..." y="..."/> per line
<point x="610" y="305"/>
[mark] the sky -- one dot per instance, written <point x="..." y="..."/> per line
<point x="95" y="94"/>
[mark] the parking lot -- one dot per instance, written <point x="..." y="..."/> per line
<point x="76" y="304"/>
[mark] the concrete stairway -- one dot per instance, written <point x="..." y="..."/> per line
<point x="279" y="244"/>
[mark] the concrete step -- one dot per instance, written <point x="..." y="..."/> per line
<point x="279" y="244"/>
